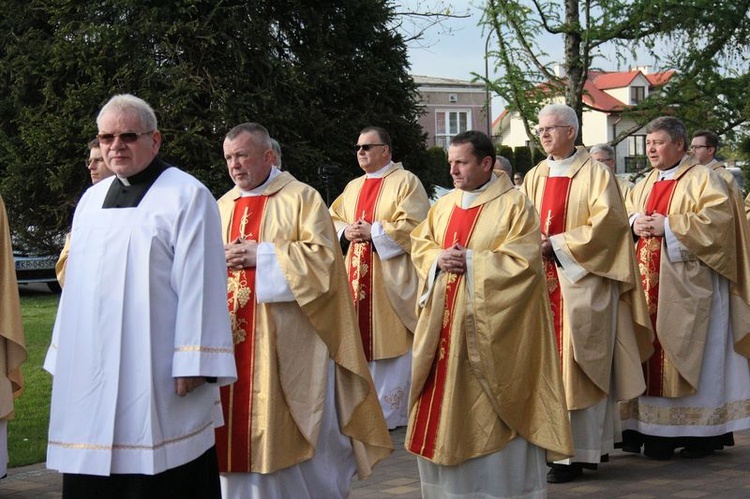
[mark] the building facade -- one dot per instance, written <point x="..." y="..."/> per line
<point x="451" y="107"/>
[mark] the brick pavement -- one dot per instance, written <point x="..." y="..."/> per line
<point x="726" y="474"/>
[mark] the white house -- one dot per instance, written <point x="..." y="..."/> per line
<point x="605" y="92"/>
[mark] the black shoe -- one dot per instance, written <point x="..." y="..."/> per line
<point x="657" y="452"/>
<point x="695" y="453"/>
<point x="563" y="473"/>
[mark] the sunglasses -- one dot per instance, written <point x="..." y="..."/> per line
<point x="127" y="137"/>
<point x="366" y="147"/>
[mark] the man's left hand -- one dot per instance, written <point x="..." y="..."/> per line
<point x="183" y="386"/>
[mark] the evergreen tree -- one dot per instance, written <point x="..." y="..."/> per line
<point x="313" y="73"/>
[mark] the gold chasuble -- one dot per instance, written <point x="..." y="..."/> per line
<point x="484" y="365"/>
<point x="708" y="221"/>
<point x="594" y="234"/>
<point x="359" y="262"/>
<point x="273" y="412"/>
<point x="384" y="291"/>
<point x="12" y="342"/>
<point x="554" y="204"/>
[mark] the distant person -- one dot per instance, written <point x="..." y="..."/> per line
<point x="503" y="165"/>
<point x="487" y="398"/>
<point x="276" y="148"/>
<point x="693" y="249"/>
<point x="605" y="153"/>
<point x="374" y="217"/>
<point x="517" y="180"/>
<point x="303" y="417"/>
<point x="601" y="322"/>
<point x="142" y="340"/>
<point x="98" y="171"/>
<point x="12" y="342"/>
<point x="703" y="146"/>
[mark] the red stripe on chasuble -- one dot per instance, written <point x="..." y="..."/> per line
<point x="233" y="439"/>
<point x="553" y="213"/>
<point x="360" y="263"/>
<point x="430" y="404"/>
<point x="648" y="252"/>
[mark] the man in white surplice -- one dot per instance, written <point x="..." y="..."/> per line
<point x="142" y="340"/>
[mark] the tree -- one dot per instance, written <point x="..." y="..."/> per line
<point x="705" y="41"/>
<point x="314" y="74"/>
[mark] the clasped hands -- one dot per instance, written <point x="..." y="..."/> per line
<point x="241" y="253"/>
<point x="649" y="225"/>
<point x="359" y="232"/>
<point x="453" y="259"/>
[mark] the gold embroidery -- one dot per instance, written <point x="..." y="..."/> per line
<point x="238" y="295"/>
<point x="198" y="348"/>
<point x="70" y="445"/>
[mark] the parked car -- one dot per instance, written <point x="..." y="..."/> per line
<point x="36" y="269"/>
<point x="36" y="265"/>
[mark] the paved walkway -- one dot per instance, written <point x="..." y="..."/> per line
<point x="726" y="474"/>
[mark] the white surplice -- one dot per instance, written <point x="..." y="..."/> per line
<point x="144" y="302"/>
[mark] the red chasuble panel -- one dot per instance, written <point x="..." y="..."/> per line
<point x="429" y="407"/>
<point x="648" y="252"/>
<point x="360" y="263"/>
<point x="553" y="213"/>
<point x="233" y="439"/>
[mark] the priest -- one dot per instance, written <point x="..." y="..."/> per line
<point x="486" y="399"/>
<point x="303" y="417"/>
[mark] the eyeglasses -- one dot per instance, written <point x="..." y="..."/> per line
<point x="541" y="130"/>
<point x="127" y="137"/>
<point x="366" y="147"/>
<point x="698" y="147"/>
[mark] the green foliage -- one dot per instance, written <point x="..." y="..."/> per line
<point x="314" y="74"/>
<point x="704" y="41"/>
<point x="27" y="433"/>
<point x="524" y="161"/>
<point x="438" y="167"/>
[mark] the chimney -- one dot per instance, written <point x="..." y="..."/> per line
<point x="560" y="71"/>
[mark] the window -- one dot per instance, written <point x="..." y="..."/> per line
<point x="637" y="94"/>
<point x="452" y="98"/>
<point x="636" y="158"/>
<point x="448" y="124"/>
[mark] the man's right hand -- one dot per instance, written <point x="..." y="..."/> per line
<point x="241" y="254"/>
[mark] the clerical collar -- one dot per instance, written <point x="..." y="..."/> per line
<point x="275" y="172"/>
<point x="468" y="197"/>
<point x="669" y="173"/>
<point x="379" y="173"/>
<point x="128" y="192"/>
<point x="561" y="164"/>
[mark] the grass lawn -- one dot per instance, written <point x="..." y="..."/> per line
<point x="27" y="433"/>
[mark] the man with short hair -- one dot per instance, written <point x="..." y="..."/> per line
<point x="693" y="262"/>
<point x="12" y="341"/>
<point x="303" y="416"/>
<point x="374" y="217"/>
<point x="141" y="342"/>
<point x="601" y="322"/>
<point x="605" y="154"/>
<point x="98" y="171"/>
<point x="503" y="165"/>
<point x="703" y="146"/>
<point x="486" y="397"/>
